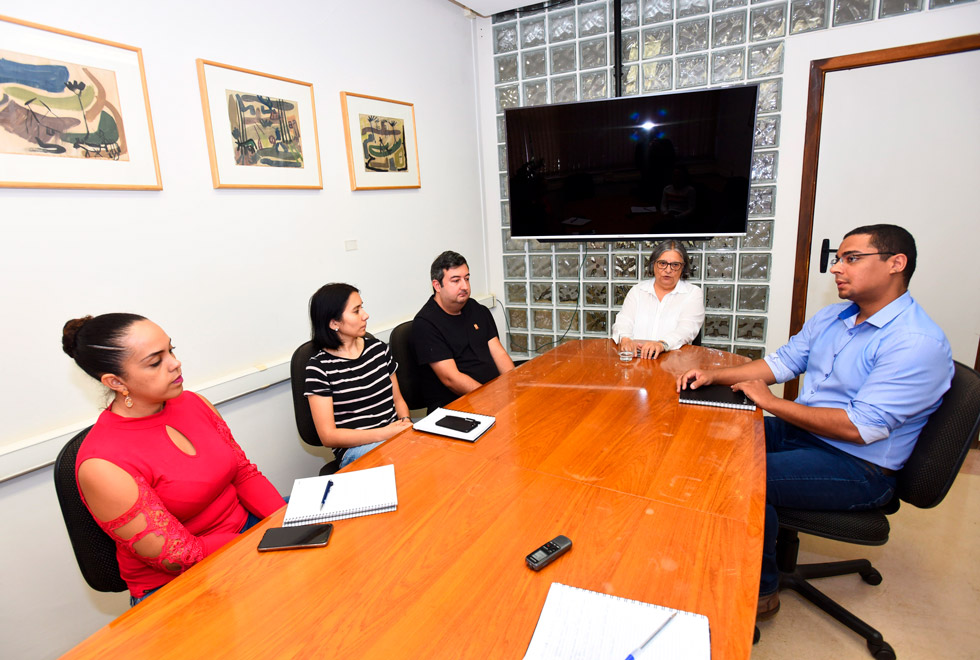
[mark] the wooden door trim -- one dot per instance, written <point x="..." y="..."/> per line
<point x="811" y="152"/>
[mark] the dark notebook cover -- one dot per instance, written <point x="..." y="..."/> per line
<point x="720" y="396"/>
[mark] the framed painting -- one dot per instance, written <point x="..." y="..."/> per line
<point x="382" y="149"/>
<point x="74" y="112"/>
<point x="261" y="128"/>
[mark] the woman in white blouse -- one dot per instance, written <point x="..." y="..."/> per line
<point x="663" y="313"/>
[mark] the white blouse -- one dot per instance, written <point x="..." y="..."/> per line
<point x="676" y="320"/>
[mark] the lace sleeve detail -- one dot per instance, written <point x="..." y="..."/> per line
<point x="181" y="549"/>
<point x="254" y="491"/>
<point x="246" y="468"/>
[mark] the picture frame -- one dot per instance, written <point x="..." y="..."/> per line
<point x="74" y="111"/>
<point x="261" y="128"/>
<point x="382" y="144"/>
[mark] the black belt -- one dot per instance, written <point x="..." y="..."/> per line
<point x="888" y="472"/>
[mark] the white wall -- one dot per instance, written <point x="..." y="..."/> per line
<point x="227" y="273"/>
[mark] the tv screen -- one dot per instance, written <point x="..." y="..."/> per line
<point x="673" y="165"/>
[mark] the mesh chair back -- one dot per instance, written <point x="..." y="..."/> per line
<point x="301" y="407"/>
<point x="95" y="551"/>
<point x="408" y="365"/>
<point x="942" y="445"/>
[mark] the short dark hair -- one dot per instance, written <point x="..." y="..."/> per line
<point x="444" y="262"/>
<point x="666" y="246"/>
<point x="893" y="239"/>
<point x="96" y="342"/>
<point x="326" y="305"/>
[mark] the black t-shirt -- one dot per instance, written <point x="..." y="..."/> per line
<point x="464" y="338"/>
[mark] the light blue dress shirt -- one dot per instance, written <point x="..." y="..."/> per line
<point x="889" y="373"/>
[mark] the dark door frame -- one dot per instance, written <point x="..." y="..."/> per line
<point x="811" y="152"/>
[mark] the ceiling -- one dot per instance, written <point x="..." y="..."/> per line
<point x="490" y="7"/>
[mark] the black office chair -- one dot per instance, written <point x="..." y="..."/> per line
<point x="408" y="375"/>
<point x="923" y="482"/>
<point x="95" y="551"/>
<point x="301" y="407"/>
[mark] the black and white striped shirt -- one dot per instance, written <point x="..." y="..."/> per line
<point x="360" y="387"/>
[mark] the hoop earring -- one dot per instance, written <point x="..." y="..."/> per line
<point x="128" y="400"/>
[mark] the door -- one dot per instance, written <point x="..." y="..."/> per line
<point x="900" y="179"/>
<point x="900" y="143"/>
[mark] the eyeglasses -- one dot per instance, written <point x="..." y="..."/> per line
<point x="672" y="265"/>
<point x="852" y="258"/>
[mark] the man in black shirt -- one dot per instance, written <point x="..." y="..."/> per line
<point x="455" y="336"/>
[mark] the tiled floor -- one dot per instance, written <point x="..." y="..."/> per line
<point x="928" y="605"/>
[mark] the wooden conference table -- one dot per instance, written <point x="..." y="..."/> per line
<point x="664" y="503"/>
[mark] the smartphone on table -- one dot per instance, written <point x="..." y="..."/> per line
<point x="301" y="536"/>
<point x="461" y="424"/>
<point x="456" y="423"/>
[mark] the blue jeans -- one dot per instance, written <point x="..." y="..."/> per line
<point x="803" y="472"/>
<point x="251" y="521"/>
<point x="354" y="453"/>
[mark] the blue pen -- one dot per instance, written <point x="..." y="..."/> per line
<point x="326" y="492"/>
<point x="636" y="654"/>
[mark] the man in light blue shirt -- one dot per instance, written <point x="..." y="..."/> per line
<point x="875" y="367"/>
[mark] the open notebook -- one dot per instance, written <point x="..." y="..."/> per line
<point x="578" y="624"/>
<point x="353" y="494"/>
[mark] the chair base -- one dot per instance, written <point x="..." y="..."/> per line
<point x="796" y="577"/>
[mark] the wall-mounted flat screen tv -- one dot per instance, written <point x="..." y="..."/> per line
<point x="672" y="165"/>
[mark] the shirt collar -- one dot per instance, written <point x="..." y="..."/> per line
<point x="883" y="316"/>
<point x="682" y="286"/>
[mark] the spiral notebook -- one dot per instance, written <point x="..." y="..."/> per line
<point x="719" y="396"/>
<point x="352" y="494"/>
<point x="578" y="624"/>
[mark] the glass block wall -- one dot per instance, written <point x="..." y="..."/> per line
<point x="565" y="53"/>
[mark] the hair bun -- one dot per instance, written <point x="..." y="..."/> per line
<point x="69" y="334"/>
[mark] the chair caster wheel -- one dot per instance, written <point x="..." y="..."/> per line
<point x="756" y="635"/>
<point x="871" y="576"/>
<point x="881" y="650"/>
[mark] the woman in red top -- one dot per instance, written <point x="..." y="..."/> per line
<point x="159" y="471"/>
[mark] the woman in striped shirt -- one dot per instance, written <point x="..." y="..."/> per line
<point x="350" y="382"/>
